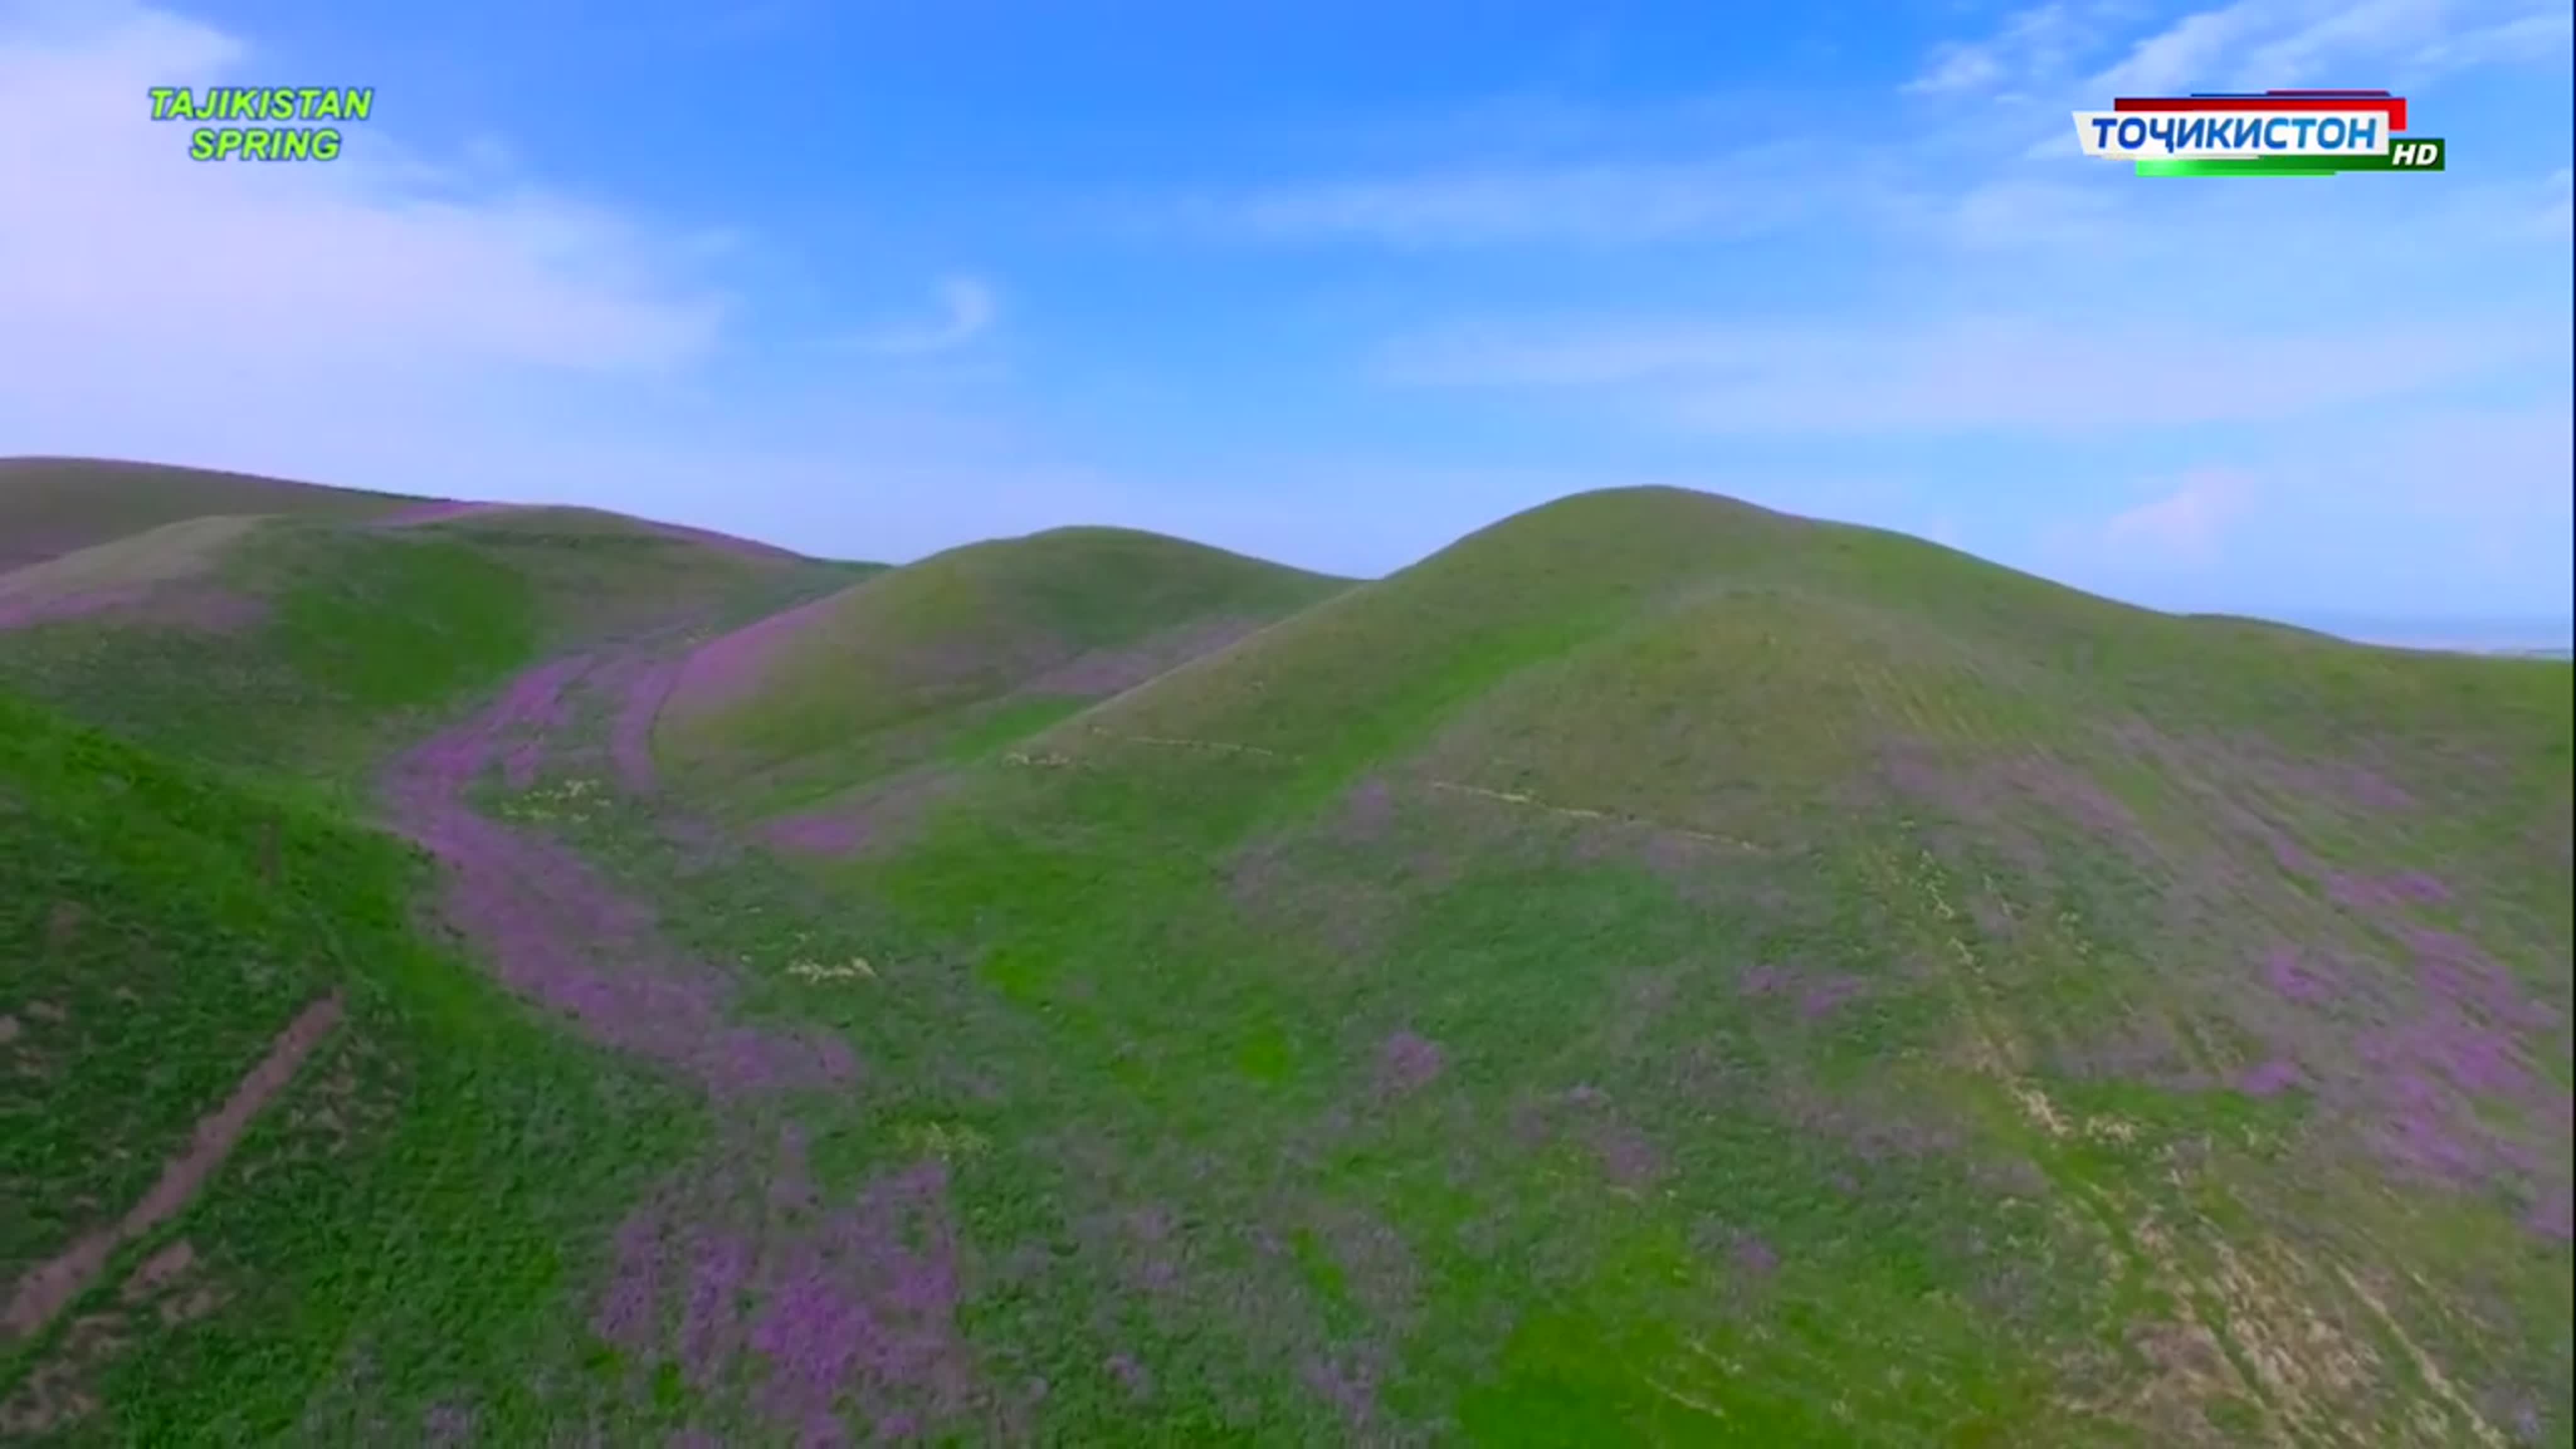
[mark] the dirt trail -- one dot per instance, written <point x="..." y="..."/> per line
<point x="552" y="928"/>
<point x="44" y="1291"/>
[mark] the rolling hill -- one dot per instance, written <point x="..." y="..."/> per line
<point x="54" y="506"/>
<point x="965" y="651"/>
<point x="1656" y="971"/>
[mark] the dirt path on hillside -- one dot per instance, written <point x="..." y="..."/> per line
<point x="43" y="1292"/>
<point x="551" y="927"/>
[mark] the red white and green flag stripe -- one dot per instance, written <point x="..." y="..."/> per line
<point x="2261" y="133"/>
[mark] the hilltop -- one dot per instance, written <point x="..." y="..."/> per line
<point x="1656" y="971"/>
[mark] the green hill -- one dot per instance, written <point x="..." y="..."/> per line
<point x="959" y="653"/>
<point x="1657" y="971"/>
<point x="317" y="642"/>
<point x="54" y="506"/>
<point x="1825" y="942"/>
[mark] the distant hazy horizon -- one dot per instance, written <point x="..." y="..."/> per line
<point x="2483" y="634"/>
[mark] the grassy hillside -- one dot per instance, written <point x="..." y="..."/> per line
<point x="312" y="645"/>
<point x="1811" y="946"/>
<point x="1657" y="971"/>
<point x="962" y="652"/>
<point x="54" y="506"/>
<point x="395" y="1208"/>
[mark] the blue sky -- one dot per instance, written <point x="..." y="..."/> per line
<point x="1332" y="283"/>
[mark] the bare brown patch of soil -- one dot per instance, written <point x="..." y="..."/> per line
<point x="56" y="1393"/>
<point x="45" y="1290"/>
<point x="169" y="1285"/>
<point x="158" y="1271"/>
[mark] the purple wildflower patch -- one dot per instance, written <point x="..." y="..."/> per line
<point x="727" y="543"/>
<point x="866" y="1307"/>
<point x="1104" y="672"/>
<point x="1407" y="1062"/>
<point x="2554" y="1216"/>
<point x="630" y="738"/>
<point x="2294" y="978"/>
<point x="725" y="669"/>
<point x="435" y="510"/>
<point x="199" y="608"/>
<point x="720" y="1273"/>
<point x="629" y="1316"/>
<point x="1820" y="998"/>
<point x="1755" y="1256"/>
<point x="1348" y="1386"/>
<point x="1131" y="1375"/>
<point x="873" y="817"/>
<point x="837" y="1310"/>
<point x="1817" y="996"/>
<point x="2270" y="1078"/>
<point x="1627" y="1158"/>
<point x="554" y="931"/>
<point x="444" y="1426"/>
<point x="1368" y="811"/>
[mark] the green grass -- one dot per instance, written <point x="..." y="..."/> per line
<point x="879" y="678"/>
<point x="363" y="636"/>
<point x="1855" y="975"/>
<point x="418" y="1197"/>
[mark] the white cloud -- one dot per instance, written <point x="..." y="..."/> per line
<point x="2032" y="44"/>
<point x="1961" y="375"/>
<point x="2256" y="43"/>
<point x="2553" y="219"/>
<point x="2183" y="526"/>
<point x="2541" y="38"/>
<point x="968" y="307"/>
<point x="121" y="260"/>
<point x="384" y="320"/>
<point x="2066" y="53"/>
<point x="2186" y="56"/>
<point x="2451" y="510"/>
<point x="1958" y="67"/>
<point x="1739" y="194"/>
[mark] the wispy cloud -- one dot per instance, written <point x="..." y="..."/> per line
<point x="2440" y="510"/>
<point x="395" y="321"/>
<point x="122" y="255"/>
<point x="968" y="308"/>
<point x="1952" y="375"/>
<point x="2543" y="37"/>
<point x="2063" y="54"/>
<point x="2183" y="526"/>
<point x="2032" y="45"/>
<point x="1739" y="193"/>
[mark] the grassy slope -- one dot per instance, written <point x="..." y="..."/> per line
<point x="357" y="635"/>
<point x="393" y="1243"/>
<point x="1655" y="972"/>
<point x="1850" y="941"/>
<point x="957" y="654"/>
<point x="55" y="506"/>
<point x="428" y="1168"/>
